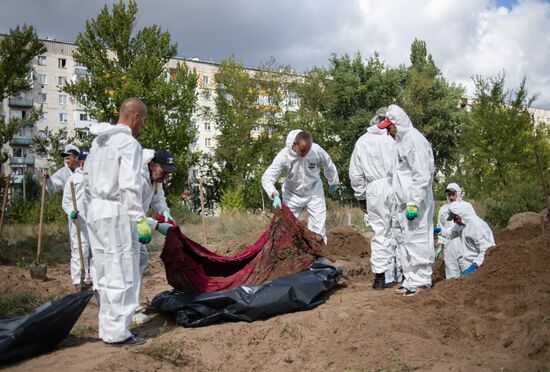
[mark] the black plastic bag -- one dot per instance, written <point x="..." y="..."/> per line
<point x="42" y="330"/>
<point x="300" y="291"/>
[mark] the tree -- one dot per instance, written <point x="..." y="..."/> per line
<point x="433" y="106"/>
<point x="499" y="162"/>
<point x="122" y="63"/>
<point x="17" y="49"/>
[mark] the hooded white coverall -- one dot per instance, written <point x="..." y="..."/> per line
<point x="112" y="184"/>
<point x="302" y="187"/>
<point x="452" y="247"/>
<point x="152" y="197"/>
<point x="370" y="171"/>
<point x="82" y="205"/>
<point x="412" y="184"/>
<point x="58" y="180"/>
<point x="475" y="236"/>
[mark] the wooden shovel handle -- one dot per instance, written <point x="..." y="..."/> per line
<point x="77" y="225"/>
<point x="4" y="201"/>
<point x="42" y="198"/>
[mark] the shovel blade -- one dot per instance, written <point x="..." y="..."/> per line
<point x="38" y="271"/>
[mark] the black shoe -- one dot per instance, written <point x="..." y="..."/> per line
<point x="379" y="282"/>
<point x="391" y="284"/>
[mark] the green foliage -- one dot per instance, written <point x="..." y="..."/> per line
<point x="433" y="106"/>
<point x="17" y="49"/>
<point x="55" y="249"/>
<point x="28" y="211"/>
<point x="16" y="304"/>
<point x="232" y="200"/>
<point x="124" y="63"/>
<point x="51" y="144"/>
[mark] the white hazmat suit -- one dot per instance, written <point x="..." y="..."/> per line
<point x="58" y="180"/>
<point x="302" y="187"/>
<point x="82" y="205"/>
<point x="412" y="184"/>
<point x="452" y="247"/>
<point x="475" y="236"/>
<point x="152" y="197"/>
<point x="112" y="184"/>
<point x="370" y="172"/>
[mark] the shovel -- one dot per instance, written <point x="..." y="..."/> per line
<point x="77" y="224"/>
<point x="39" y="271"/>
<point x="4" y="200"/>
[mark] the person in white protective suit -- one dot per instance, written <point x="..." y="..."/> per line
<point x="412" y="210"/>
<point x="301" y="161"/>
<point x="80" y="214"/>
<point x="452" y="248"/>
<point x="156" y="166"/>
<point x="57" y="181"/>
<point x="370" y="177"/>
<point x="474" y="234"/>
<point x="115" y="219"/>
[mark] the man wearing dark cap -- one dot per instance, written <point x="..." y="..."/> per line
<point x="57" y="181"/>
<point x="80" y="214"/>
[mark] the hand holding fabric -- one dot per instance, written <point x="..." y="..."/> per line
<point x="163" y="227"/>
<point x="144" y="231"/>
<point x="277" y="202"/>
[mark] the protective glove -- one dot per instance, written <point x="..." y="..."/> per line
<point x="332" y="189"/>
<point x="438" y="252"/>
<point x="411" y="212"/>
<point x="437" y="230"/>
<point x="73" y="215"/>
<point x="144" y="231"/>
<point x="163" y="227"/>
<point x="277" y="202"/>
<point x="469" y="270"/>
<point x="168" y="218"/>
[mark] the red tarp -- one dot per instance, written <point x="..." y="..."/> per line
<point x="285" y="247"/>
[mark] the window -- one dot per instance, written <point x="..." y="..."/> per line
<point x="78" y="64"/>
<point x="42" y="60"/>
<point x="19" y="153"/>
<point x="61" y="81"/>
<point x="207" y="127"/>
<point x="205" y="79"/>
<point x="43" y="97"/>
<point x="208" y="142"/>
<point x="44" y="115"/>
<point x="83" y="116"/>
<point x="63" y="99"/>
<point x="62" y="63"/>
<point x="63" y="135"/>
<point x="195" y="173"/>
<point x="63" y="117"/>
<point x="42" y="79"/>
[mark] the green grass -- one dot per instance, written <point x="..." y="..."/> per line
<point x="83" y="331"/>
<point x="21" y="303"/>
<point x="22" y="252"/>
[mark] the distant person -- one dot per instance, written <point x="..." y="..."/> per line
<point x="412" y="215"/>
<point x="80" y="214"/>
<point x="57" y="181"/>
<point x="473" y="233"/>
<point x="370" y="174"/>
<point x="452" y="248"/>
<point x="116" y="220"/>
<point x="301" y="161"/>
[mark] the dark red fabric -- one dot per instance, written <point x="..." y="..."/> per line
<point x="285" y="247"/>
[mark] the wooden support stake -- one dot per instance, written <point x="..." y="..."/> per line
<point x="201" y="195"/>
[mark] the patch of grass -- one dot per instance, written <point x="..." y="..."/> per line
<point x="18" y="246"/>
<point x="83" y="331"/>
<point x="16" y="304"/>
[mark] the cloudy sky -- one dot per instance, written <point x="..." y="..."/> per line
<point x="466" y="38"/>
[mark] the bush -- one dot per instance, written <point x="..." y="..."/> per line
<point x="16" y="304"/>
<point x="232" y="200"/>
<point x="521" y="197"/>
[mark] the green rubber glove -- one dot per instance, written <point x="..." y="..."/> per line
<point x="411" y="212"/>
<point x="332" y="189"/>
<point x="438" y="252"/>
<point x="73" y="215"/>
<point x="277" y="202"/>
<point x="163" y="228"/>
<point x="144" y="231"/>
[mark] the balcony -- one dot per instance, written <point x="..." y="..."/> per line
<point x="21" y="141"/>
<point x="20" y="102"/>
<point x="27" y="160"/>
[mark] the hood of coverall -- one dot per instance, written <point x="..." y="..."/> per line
<point x="106" y="129"/>
<point x="456" y="187"/>
<point x="463" y="210"/>
<point x="400" y="119"/>
<point x="291" y="137"/>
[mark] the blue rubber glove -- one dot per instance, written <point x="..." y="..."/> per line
<point x="469" y="270"/>
<point x="144" y="231"/>
<point x="73" y="215"/>
<point x="163" y="227"/>
<point x="277" y="202"/>
<point x="437" y="230"/>
<point x="411" y="212"/>
<point x="438" y="252"/>
<point x="332" y="189"/>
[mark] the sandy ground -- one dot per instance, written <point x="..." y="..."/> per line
<point x="497" y="319"/>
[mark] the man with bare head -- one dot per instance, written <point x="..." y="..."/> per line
<point x="301" y="160"/>
<point x="116" y="220"/>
